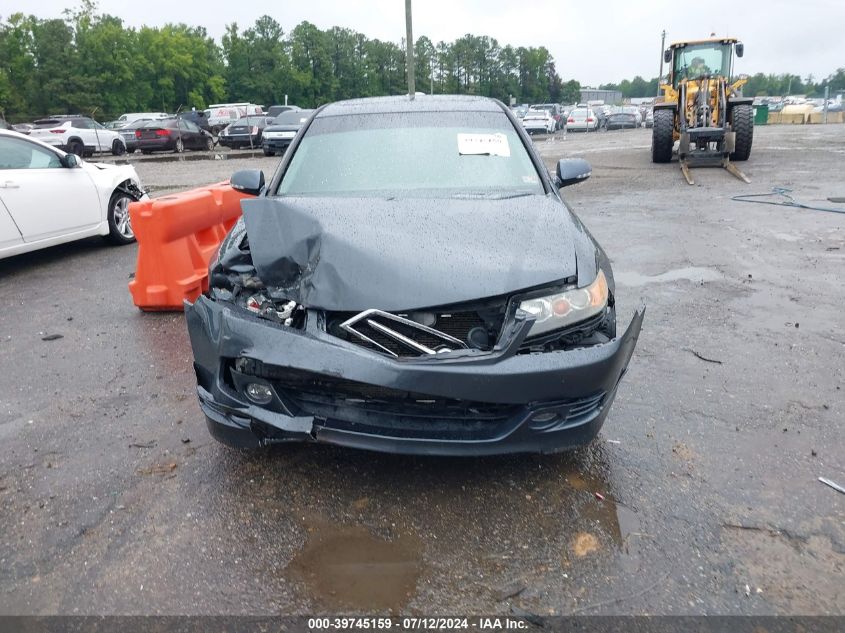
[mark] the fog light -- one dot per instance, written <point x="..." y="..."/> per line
<point x="259" y="393"/>
<point x="548" y="416"/>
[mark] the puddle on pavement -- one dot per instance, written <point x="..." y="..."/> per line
<point x="347" y="567"/>
<point x="693" y="273"/>
<point x="616" y="520"/>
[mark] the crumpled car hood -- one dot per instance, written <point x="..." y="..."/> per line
<point x="350" y="254"/>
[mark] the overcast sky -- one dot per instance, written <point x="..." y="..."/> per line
<point x="594" y="42"/>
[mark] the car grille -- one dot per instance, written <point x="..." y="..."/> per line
<point x="383" y="409"/>
<point x="401" y="335"/>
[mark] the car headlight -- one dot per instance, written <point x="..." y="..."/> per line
<point x="565" y="308"/>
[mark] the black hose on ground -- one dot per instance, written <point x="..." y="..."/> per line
<point x="788" y="201"/>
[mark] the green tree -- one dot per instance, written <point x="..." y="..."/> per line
<point x="571" y="92"/>
<point x="311" y="76"/>
<point x="91" y="62"/>
<point x="17" y="65"/>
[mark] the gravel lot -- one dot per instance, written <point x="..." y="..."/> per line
<point x="114" y="499"/>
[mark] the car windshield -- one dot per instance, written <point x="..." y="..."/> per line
<point x="579" y="114"/>
<point x="534" y="114"/>
<point x="292" y="117"/>
<point x="421" y="154"/>
<point x="696" y="60"/>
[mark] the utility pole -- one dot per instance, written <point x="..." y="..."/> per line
<point x="431" y="73"/>
<point x="826" y="97"/>
<point x="409" y="39"/>
<point x="662" y="48"/>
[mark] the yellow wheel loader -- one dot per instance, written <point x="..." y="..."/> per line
<point x="701" y="109"/>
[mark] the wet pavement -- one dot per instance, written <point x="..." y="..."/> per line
<point x="699" y="496"/>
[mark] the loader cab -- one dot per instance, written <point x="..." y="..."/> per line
<point x="692" y="60"/>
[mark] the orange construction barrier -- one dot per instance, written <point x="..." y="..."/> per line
<point x="177" y="237"/>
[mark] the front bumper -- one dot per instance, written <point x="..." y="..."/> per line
<point x="240" y="140"/>
<point x="509" y="403"/>
<point x="276" y="144"/>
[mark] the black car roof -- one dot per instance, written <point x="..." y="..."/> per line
<point x="421" y="103"/>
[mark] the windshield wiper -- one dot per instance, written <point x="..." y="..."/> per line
<point x="488" y="195"/>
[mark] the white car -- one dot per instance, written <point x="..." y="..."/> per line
<point x="582" y="119"/>
<point x="539" y="122"/>
<point x="221" y="115"/>
<point x="49" y="197"/>
<point x="78" y="135"/>
<point x="131" y="117"/>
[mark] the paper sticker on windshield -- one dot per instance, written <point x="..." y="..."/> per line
<point x="483" y="145"/>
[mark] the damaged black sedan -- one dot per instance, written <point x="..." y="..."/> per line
<point x="410" y="281"/>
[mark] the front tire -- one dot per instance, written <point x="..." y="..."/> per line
<point x="662" y="137"/>
<point x="118" y="148"/>
<point x="269" y="152"/>
<point x="209" y="144"/>
<point x="742" y="123"/>
<point x="76" y="147"/>
<point x="178" y="146"/>
<point x="120" y="228"/>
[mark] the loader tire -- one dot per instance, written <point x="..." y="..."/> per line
<point x="742" y="122"/>
<point x="661" y="136"/>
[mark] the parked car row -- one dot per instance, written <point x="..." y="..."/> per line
<point x="238" y="125"/>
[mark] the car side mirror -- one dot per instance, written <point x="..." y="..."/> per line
<point x="248" y="181"/>
<point x="571" y="171"/>
<point x="667" y="55"/>
<point x="70" y="161"/>
<point x="740" y="49"/>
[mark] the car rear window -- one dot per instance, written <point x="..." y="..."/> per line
<point x="159" y="123"/>
<point x="42" y="124"/>
<point x="422" y="154"/>
<point x="135" y="124"/>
